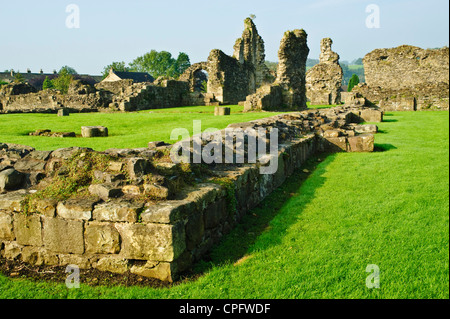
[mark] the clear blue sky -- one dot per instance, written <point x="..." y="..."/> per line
<point x="34" y="33"/>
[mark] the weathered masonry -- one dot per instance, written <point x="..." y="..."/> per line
<point x="406" y="78"/>
<point x="139" y="212"/>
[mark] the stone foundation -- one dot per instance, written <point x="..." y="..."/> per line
<point x="112" y="228"/>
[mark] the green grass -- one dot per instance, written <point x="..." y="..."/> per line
<point x="314" y="239"/>
<point x="126" y="130"/>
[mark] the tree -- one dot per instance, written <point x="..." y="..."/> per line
<point x="161" y="64"/>
<point x="67" y="69"/>
<point x="182" y="63"/>
<point x="116" y="66"/>
<point x="358" y="61"/>
<point x="47" y="84"/>
<point x="62" y="82"/>
<point x="354" y="80"/>
<point x="18" y="78"/>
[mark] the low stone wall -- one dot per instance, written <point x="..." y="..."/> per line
<point x="420" y="98"/>
<point x="113" y="228"/>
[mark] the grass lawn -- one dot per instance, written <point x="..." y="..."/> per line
<point x="314" y="236"/>
<point x="126" y="130"/>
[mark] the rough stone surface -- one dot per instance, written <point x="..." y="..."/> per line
<point x="289" y="89"/>
<point x="324" y="80"/>
<point x="101" y="238"/>
<point x="10" y="179"/>
<point x="94" y="131"/>
<point x="406" y="78"/>
<point x="63" y="236"/>
<point x="28" y="229"/>
<point x="152" y="241"/>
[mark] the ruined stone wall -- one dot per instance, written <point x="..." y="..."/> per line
<point x="289" y="89"/>
<point x="143" y="96"/>
<point x="407" y="78"/>
<point x="80" y="98"/>
<point x="324" y="80"/>
<point x="113" y="228"/>
<point x="228" y="79"/>
<point x="249" y="50"/>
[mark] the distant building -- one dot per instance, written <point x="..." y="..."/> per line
<point x="36" y="79"/>
<point x="135" y="76"/>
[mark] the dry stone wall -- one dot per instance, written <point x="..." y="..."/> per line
<point x="134" y="216"/>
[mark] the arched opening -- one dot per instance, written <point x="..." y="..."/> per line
<point x="200" y="81"/>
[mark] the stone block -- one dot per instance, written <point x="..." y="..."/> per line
<point x="101" y="238"/>
<point x="75" y="209"/>
<point x="117" y="212"/>
<point x="335" y="144"/>
<point x="12" y="201"/>
<point x="366" y="128"/>
<point x="112" y="264"/>
<point x="154" y="269"/>
<point x="28" y="229"/>
<point x="63" y="112"/>
<point x="137" y="167"/>
<point x="6" y="227"/>
<point x="220" y="111"/>
<point x="38" y="256"/>
<point x="10" y="179"/>
<point x="167" y="212"/>
<point x="195" y="229"/>
<point x="152" y="241"/>
<point x="105" y="191"/>
<point x="371" y="115"/>
<point x="46" y="206"/>
<point x="156" y="191"/>
<point x="63" y="236"/>
<point x="331" y="133"/>
<point x="94" y="131"/>
<point x="361" y="143"/>
<point x="12" y="250"/>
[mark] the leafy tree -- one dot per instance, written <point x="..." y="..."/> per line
<point x="354" y="80"/>
<point x="18" y="78"/>
<point x="47" y="84"/>
<point x="204" y="87"/>
<point x="116" y="66"/>
<point x="161" y="64"/>
<point x="68" y="70"/>
<point x="182" y="63"/>
<point x="62" y="82"/>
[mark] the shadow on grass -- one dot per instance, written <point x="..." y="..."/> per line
<point x="238" y="243"/>
<point x="389" y="120"/>
<point x="383" y="147"/>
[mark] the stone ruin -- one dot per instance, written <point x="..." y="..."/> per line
<point x="288" y="91"/>
<point x="324" y="80"/>
<point x="230" y="79"/>
<point x="406" y="78"/>
<point x="135" y="211"/>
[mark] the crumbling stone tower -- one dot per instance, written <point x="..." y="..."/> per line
<point x="249" y="51"/>
<point x="288" y="91"/>
<point x="324" y="80"/>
